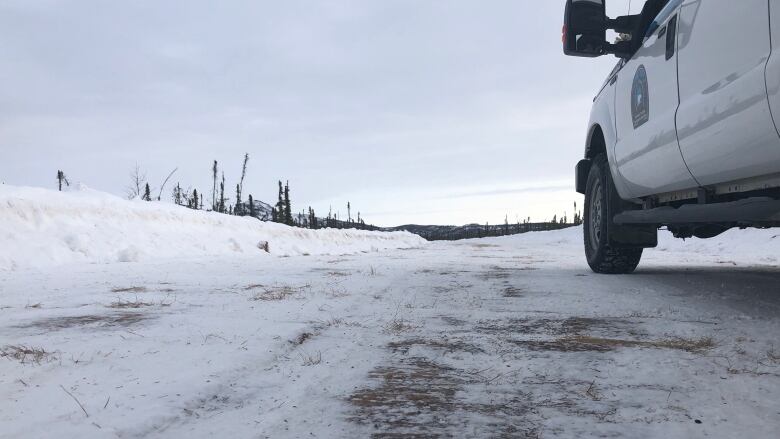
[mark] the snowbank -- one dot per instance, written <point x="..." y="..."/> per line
<point x="42" y="228"/>
<point x="758" y="247"/>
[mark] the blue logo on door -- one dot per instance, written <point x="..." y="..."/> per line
<point x="640" y="98"/>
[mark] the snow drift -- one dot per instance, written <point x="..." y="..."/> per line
<point x="42" y="228"/>
<point x="749" y="247"/>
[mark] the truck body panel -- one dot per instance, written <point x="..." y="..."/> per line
<point x="773" y="67"/>
<point x="602" y="116"/>
<point x="647" y="151"/>
<point x="724" y="123"/>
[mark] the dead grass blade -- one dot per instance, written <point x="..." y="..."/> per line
<point x="25" y="354"/>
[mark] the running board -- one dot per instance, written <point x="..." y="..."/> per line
<point x="749" y="211"/>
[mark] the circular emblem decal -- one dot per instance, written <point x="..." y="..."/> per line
<point x="640" y="98"/>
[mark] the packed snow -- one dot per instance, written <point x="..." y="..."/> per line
<point x="499" y="337"/>
<point x="43" y="228"/>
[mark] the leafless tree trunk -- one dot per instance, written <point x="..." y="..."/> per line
<point x="165" y="182"/>
<point x="214" y="189"/>
<point x="137" y="182"/>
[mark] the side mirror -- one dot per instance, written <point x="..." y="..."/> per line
<point x="585" y="28"/>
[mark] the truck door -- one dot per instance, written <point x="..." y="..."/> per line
<point x="647" y="153"/>
<point x="773" y="68"/>
<point x="724" y="123"/>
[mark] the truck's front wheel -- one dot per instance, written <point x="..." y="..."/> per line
<point x="602" y="203"/>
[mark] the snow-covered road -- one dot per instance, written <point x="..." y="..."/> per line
<point x="505" y="337"/>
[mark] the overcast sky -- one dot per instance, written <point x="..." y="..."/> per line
<point x="416" y="111"/>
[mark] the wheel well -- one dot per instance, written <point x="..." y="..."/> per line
<point x="595" y="146"/>
<point x="596" y="143"/>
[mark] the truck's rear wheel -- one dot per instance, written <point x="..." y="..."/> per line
<point x="602" y="203"/>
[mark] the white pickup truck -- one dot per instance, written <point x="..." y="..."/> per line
<point x="684" y="132"/>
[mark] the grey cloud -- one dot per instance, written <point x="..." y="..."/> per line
<point x="346" y="98"/>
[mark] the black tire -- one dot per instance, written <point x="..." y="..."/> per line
<point x="602" y="203"/>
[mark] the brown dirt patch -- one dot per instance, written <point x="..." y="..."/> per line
<point x="418" y="398"/>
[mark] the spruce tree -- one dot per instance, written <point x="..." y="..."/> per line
<point x="222" y="194"/>
<point x="61" y="178"/>
<point x="252" y="211"/>
<point x="194" y="201"/>
<point x="274" y="215"/>
<point x="279" y="217"/>
<point x="147" y="193"/>
<point x="238" y="210"/>
<point x="288" y="219"/>
<point x="177" y="194"/>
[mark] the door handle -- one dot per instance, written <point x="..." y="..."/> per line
<point x="671" y="38"/>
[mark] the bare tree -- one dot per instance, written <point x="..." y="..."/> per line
<point x="159" y="197"/>
<point x="214" y="188"/>
<point x="137" y="182"/>
<point x="240" y="189"/>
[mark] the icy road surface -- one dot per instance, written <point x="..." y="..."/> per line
<point x="506" y="337"/>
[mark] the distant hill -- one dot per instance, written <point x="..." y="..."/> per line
<point x="469" y="231"/>
<point x="429" y="232"/>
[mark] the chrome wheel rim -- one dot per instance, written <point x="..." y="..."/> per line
<point x="596" y="213"/>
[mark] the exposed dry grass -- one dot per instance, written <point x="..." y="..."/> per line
<point x="274" y="293"/>
<point x="129" y="290"/>
<point x="104" y="320"/>
<point x="339" y="322"/>
<point x="513" y="292"/>
<point x="337" y="293"/>
<point x="397" y="326"/>
<point x="33" y="306"/>
<point x="419" y="398"/>
<point x="484" y="246"/>
<point x="135" y="304"/>
<point x="311" y="359"/>
<point x="773" y="356"/>
<point x="27" y="354"/>
<point x="442" y="344"/>
<point x="582" y="343"/>
<point x="302" y="338"/>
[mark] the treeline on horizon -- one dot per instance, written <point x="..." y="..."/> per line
<point x="282" y="211"/>
<point x="191" y="198"/>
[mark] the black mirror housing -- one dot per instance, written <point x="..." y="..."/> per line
<point x="585" y="28"/>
